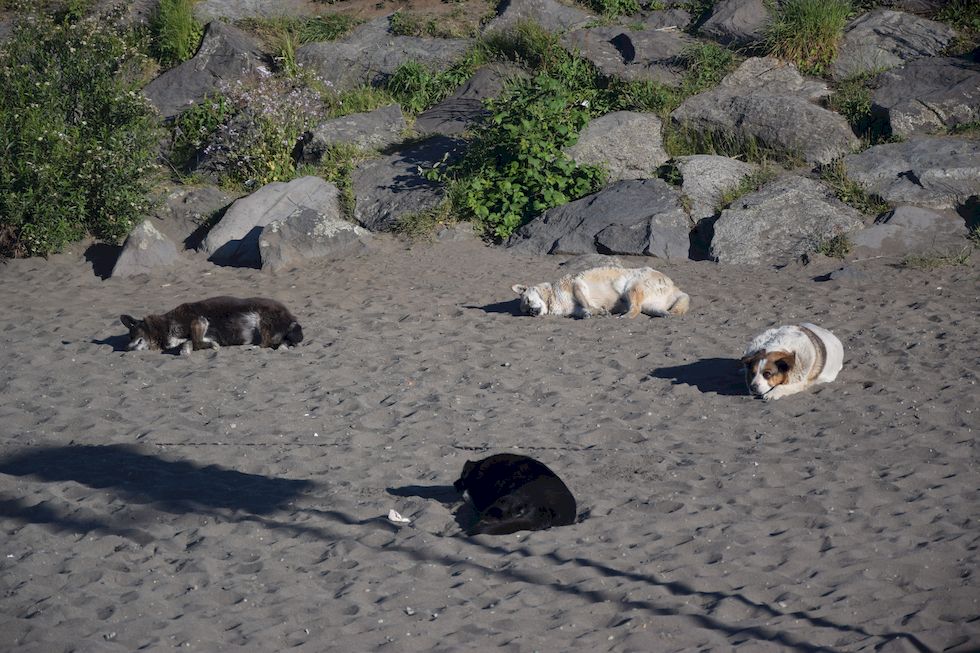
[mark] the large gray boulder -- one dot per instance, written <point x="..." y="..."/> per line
<point x="706" y="177"/>
<point x="928" y="95"/>
<point x="640" y="218"/>
<point x="882" y="39"/>
<point x="629" y="145"/>
<point x="909" y="229"/>
<point x="787" y="217"/>
<point x="186" y="212"/>
<point x="370" y="54"/>
<point x="736" y="22"/>
<point x="549" y="14"/>
<point x="235" y="239"/>
<point x="226" y="55"/>
<point x="465" y="107"/>
<point x="769" y="102"/>
<point x="939" y="173"/>
<point x="373" y="130"/>
<point x="389" y="188"/>
<point x="146" y="250"/>
<point x="635" y="55"/>
<point x="309" y="234"/>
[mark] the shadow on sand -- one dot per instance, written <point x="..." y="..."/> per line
<point x="721" y="376"/>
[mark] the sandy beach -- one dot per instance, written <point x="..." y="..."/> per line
<point x="237" y="500"/>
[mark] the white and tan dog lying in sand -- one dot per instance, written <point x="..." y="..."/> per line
<point x="601" y="291"/>
<point x="789" y="359"/>
<point x="214" y="322"/>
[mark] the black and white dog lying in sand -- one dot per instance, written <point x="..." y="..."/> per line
<point x="515" y="493"/>
<point x="213" y="322"/>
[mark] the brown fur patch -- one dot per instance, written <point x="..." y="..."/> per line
<point x="775" y="369"/>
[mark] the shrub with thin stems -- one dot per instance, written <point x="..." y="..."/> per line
<point x="807" y="32"/>
<point x="175" y="33"/>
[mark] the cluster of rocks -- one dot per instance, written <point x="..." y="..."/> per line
<point x="930" y="178"/>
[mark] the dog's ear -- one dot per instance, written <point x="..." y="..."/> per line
<point x="786" y="362"/>
<point x="128" y="321"/>
<point x="751" y="358"/>
<point x="518" y="288"/>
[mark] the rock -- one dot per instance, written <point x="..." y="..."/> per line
<point x="663" y="19"/>
<point x="553" y="16"/>
<point x="909" y="229"/>
<point x="464" y="108"/>
<point x="706" y="177"/>
<point x="307" y="234"/>
<point x="370" y="54"/>
<point x="850" y="274"/>
<point x="629" y="145"/>
<point x="784" y="219"/>
<point x="770" y="103"/>
<point x="641" y="217"/>
<point x="374" y="130"/>
<point x="928" y="96"/>
<point x="186" y="213"/>
<point x="736" y="22"/>
<point x="227" y="54"/>
<point x="883" y="38"/>
<point x="939" y="173"/>
<point x="235" y="239"/>
<point x="389" y="188"/>
<point x="145" y="250"/>
<point x="232" y="10"/>
<point x="635" y="55"/>
<point x="133" y="12"/>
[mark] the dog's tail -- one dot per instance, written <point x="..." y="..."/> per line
<point x="681" y="305"/>
<point x="294" y="334"/>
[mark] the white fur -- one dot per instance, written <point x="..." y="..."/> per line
<point x="250" y="324"/>
<point x="792" y="339"/>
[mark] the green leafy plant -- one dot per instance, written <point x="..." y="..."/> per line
<point x="964" y="15"/>
<point x="834" y="174"/>
<point x="514" y="167"/>
<point x="175" y="34"/>
<point x="416" y="88"/>
<point x="78" y="136"/>
<point x="807" y="32"/>
<point x="192" y="130"/>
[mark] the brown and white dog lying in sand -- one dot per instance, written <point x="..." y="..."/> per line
<point x="601" y="291"/>
<point x="213" y="322"/>
<point x="788" y="359"/>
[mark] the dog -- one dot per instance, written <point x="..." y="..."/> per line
<point x="515" y="493"/>
<point x="788" y="359"/>
<point x="214" y="322"/>
<point x="605" y="290"/>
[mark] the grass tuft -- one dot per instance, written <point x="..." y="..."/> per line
<point x="937" y="260"/>
<point x="748" y="184"/>
<point x="176" y="34"/>
<point x="807" y="32"/>
<point x="850" y="192"/>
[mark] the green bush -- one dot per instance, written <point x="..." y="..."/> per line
<point x="193" y="129"/>
<point x="416" y="88"/>
<point x="807" y="32"/>
<point x="176" y="35"/>
<point x="613" y="8"/>
<point x="79" y="137"/>
<point x="514" y="167"/>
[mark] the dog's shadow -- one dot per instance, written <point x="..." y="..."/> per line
<point x="510" y="307"/>
<point x="721" y="376"/>
<point x="466" y="516"/>
<point x="118" y="343"/>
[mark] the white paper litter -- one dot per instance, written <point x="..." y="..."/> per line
<point x="396" y="518"/>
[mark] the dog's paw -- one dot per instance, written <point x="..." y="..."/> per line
<point x="186" y="348"/>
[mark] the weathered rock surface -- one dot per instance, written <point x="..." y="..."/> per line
<point x="626" y="143"/>
<point x="787" y="217"/>
<point x="235" y="239"/>
<point x="145" y="250"/>
<point x="736" y="22"/>
<point x="770" y="103"/>
<point x="549" y="14"/>
<point x="928" y="95"/>
<point x="227" y="54"/>
<point x="232" y="10"/>
<point x="389" y="188"/>
<point x="909" y="229"/>
<point x="464" y="108"/>
<point x="373" y="130"/>
<point x="648" y="54"/>
<point x="706" y="177"/>
<point x="641" y="217"/>
<point x="309" y="234"/>
<point x="186" y="211"/>
<point x="883" y="38"/>
<point x="939" y="173"/>
<point x="371" y="53"/>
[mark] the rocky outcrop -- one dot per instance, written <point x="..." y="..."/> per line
<point x="635" y="55"/>
<point x="883" y="39"/>
<point x="770" y="103"/>
<point x="227" y="54"/>
<point x="706" y="177"/>
<point x="928" y="96"/>
<point x="186" y="212"/>
<point x="309" y="234"/>
<point x="374" y="130"/>
<point x="370" y="54"/>
<point x="464" y="108"/>
<point x="910" y="229"/>
<point x="736" y="22"/>
<point x="641" y="218"/>
<point x="146" y="250"/>
<point x="549" y="14"/>
<point x="938" y="173"/>
<point x="627" y="144"/>
<point x="787" y="217"/>
<point x="232" y="10"/>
